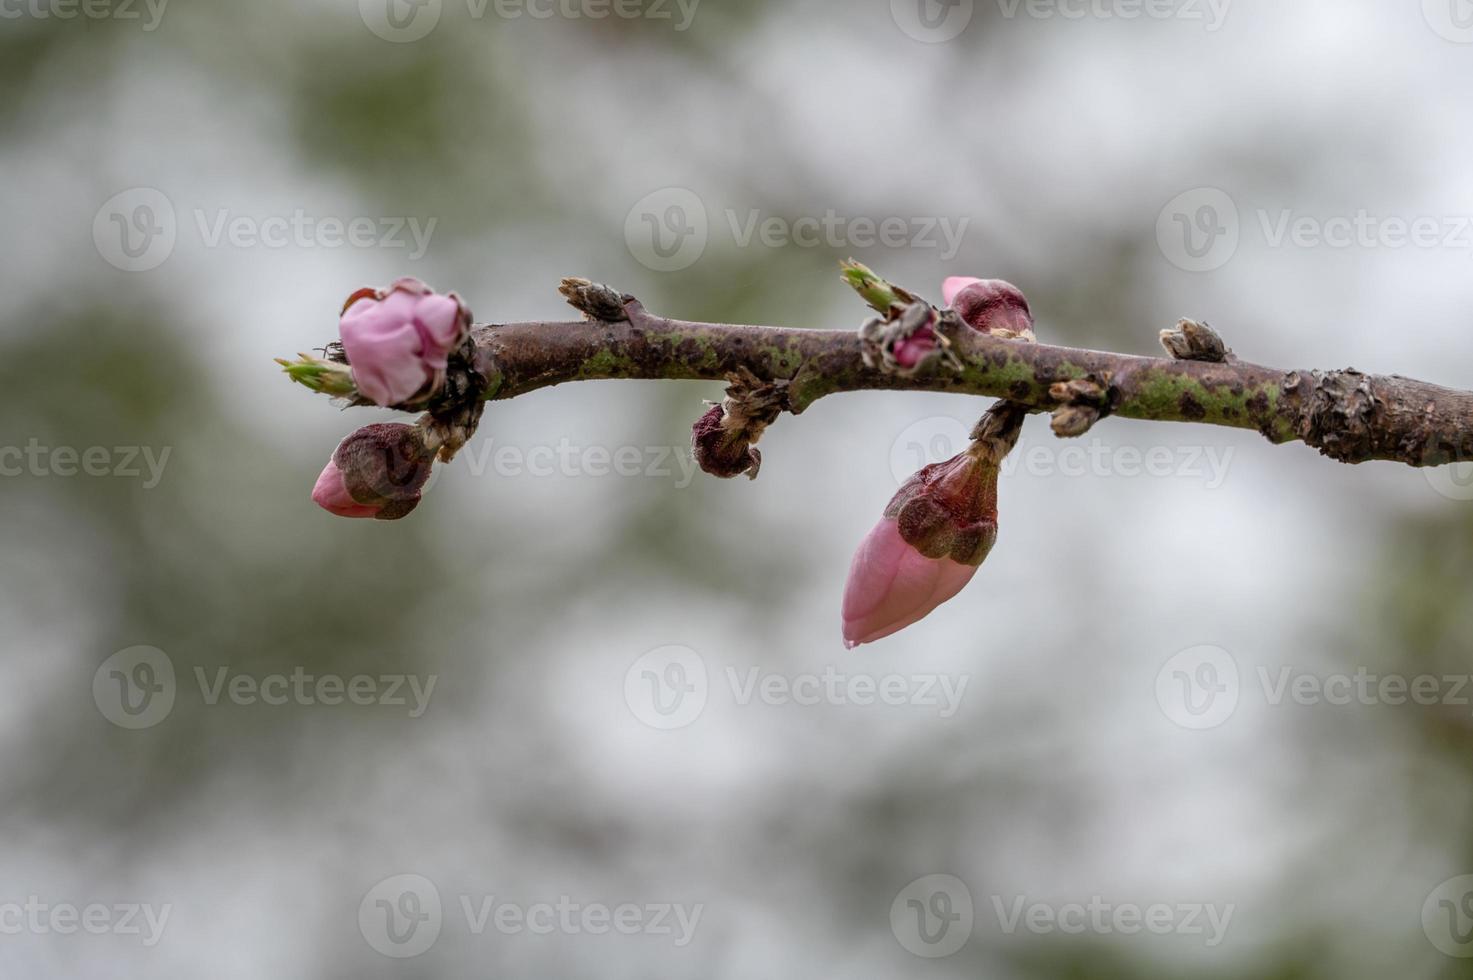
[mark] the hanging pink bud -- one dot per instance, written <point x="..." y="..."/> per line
<point x="398" y="341"/>
<point x="990" y="306"/>
<point x="376" y="472"/>
<point x="936" y="531"/>
<point x="892" y="585"/>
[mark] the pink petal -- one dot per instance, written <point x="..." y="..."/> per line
<point x="440" y="316"/>
<point x="955" y="284"/>
<point x="360" y="307"/>
<point x="891" y="585"/>
<point x="909" y="351"/>
<point x="386" y="364"/>
<point x="331" y="494"/>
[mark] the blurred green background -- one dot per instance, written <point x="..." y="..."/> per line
<point x="1126" y="733"/>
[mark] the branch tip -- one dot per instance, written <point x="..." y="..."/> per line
<point x="1194" y="340"/>
<point x="594" y="300"/>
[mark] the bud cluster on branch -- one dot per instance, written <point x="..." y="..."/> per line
<point x="411" y="349"/>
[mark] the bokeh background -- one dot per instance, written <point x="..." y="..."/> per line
<point x="640" y="699"/>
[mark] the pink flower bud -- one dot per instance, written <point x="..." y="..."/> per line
<point x="936" y="531"/>
<point x="910" y="350"/>
<point x="892" y="585"/>
<point x="398" y="342"/>
<point x="990" y="306"/>
<point x="377" y="472"/>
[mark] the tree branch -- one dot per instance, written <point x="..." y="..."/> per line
<point x="1347" y="415"/>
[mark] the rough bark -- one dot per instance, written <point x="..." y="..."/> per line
<point x="1347" y="415"/>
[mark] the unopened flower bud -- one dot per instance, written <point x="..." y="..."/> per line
<point x="917" y="337"/>
<point x="1072" y="421"/>
<point x="990" y="306"/>
<point x="892" y="585"/>
<point x="935" y="533"/>
<point x="949" y="510"/>
<point x="377" y="472"/>
<point x="722" y="447"/>
<point x="1193" y="340"/>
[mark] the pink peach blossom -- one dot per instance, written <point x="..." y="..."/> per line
<point x="398" y="341"/>
<point x="892" y="585"/>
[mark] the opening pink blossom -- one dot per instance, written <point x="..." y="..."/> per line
<point x="398" y="342"/>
